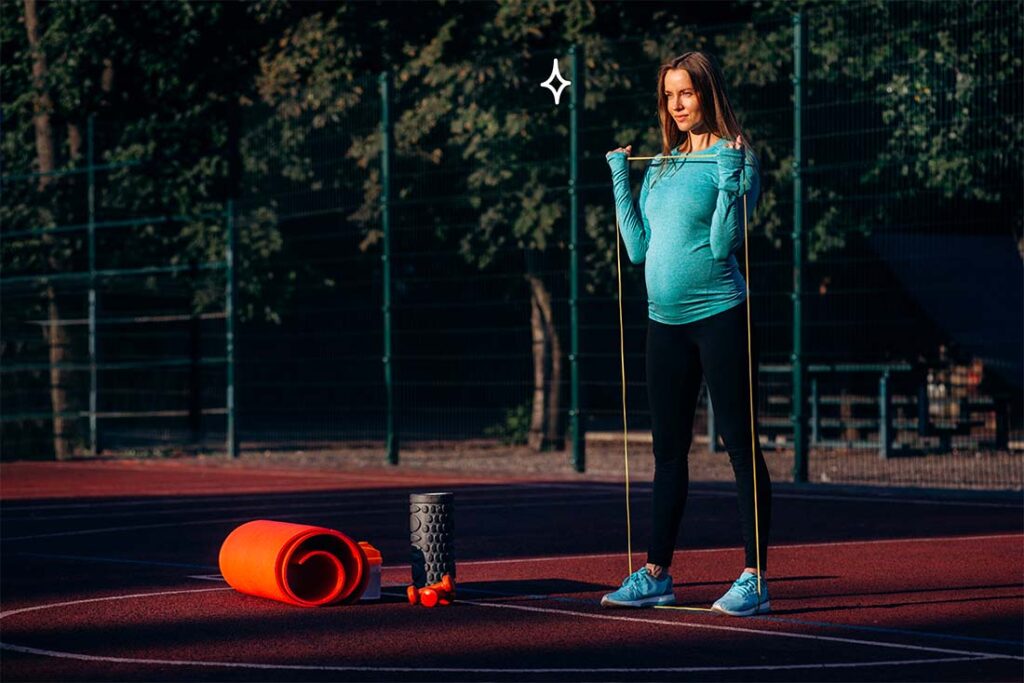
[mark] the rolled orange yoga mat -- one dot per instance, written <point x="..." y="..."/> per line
<point x="301" y="565"/>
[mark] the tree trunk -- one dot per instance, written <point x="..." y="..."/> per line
<point x="553" y="433"/>
<point x="74" y="141"/>
<point x="535" y="437"/>
<point x="53" y="333"/>
<point x="107" y="79"/>
<point x="42" y="105"/>
<point x="545" y="418"/>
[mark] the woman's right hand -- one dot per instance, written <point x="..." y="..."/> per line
<point x="628" y="149"/>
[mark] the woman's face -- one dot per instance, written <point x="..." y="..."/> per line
<point x="683" y="103"/>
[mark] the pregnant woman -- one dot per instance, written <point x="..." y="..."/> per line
<point x="686" y="229"/>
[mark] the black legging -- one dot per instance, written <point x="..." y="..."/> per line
<point x="677" y="355"/>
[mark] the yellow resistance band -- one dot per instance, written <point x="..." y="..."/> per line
<point x="750" y="379"/>
<point x="680" y="157"/>
<point x="750" y="384"/>
<point x="625" y="431"/>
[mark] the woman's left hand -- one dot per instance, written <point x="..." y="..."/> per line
<point x="735" y="145"/>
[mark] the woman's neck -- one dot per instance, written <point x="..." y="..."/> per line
<point x="701" y="141"/>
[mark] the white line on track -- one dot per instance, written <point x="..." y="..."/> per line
<point x="69" y="603"/>
<point x="593" y="556"/>
<point x="478" y="670"/>
<point x="160" y="501"/>
<point x="781" y="546"/>
<point x="359" y="509"/>
<point x="468" y="489"/>
<point x="960" y="655"/>
<point x="694" y="551"/>
<point x="515" y="502"/>
<point x="306" y="503"/>
<point x="737" y="629"/>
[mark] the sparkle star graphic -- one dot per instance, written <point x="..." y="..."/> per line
<point x="549" y="84"/>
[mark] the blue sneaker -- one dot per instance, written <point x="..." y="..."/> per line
<point x="742" y="599"/>
<point x="640" y="589"/>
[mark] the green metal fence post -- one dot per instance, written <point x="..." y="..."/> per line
<point x="576" y="426"/>
<point x="799" y="423"/>
<point x="93" y="388"/>
<point x="385" y="219"/>
<point x="815" y="413"/>
<point x="884" y="417"/>
<point x="231" y="247"/>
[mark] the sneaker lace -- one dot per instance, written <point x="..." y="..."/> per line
<point x="636" y="579"/>
<point x="745" y="586"/>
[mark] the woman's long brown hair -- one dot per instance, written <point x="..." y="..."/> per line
<point x="709" y="84"/>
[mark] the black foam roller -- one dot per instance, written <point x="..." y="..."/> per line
<point x="432" y="532"/>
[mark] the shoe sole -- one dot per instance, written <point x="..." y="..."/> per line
<point x="764" y="608"/>
<point x="645" y="602"/>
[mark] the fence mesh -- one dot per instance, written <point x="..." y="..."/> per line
<point x="911" y="300"/>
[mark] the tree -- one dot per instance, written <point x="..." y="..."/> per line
<point x="42" y="106"/>
<point x="467" y="108"/>
<point x="939" y="80"/>
<point x="166" y="83"/>
<point x="210" y="122"/>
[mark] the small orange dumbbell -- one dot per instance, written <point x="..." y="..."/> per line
<point x="429" y="597"/>
<point x="445" y="585"/>
<point x="442" y="592"/>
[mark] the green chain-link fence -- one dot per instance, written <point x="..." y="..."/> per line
<point x="433" y="264"/>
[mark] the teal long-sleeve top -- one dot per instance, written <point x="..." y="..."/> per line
<point x="686" y="229"/>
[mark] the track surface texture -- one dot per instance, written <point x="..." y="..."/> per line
<point x="99" y="585"/>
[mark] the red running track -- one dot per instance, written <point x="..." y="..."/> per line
<point x="918" y="587"/>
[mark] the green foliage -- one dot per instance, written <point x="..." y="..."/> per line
<point x="460" y="107"/>
<point x="165" y="82"/>
<point x="515" y="429"/>
<point x="226" y="99"/>
<point x="933" y="89"/>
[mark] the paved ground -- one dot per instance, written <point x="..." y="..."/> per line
<point x="100" y="585"/>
